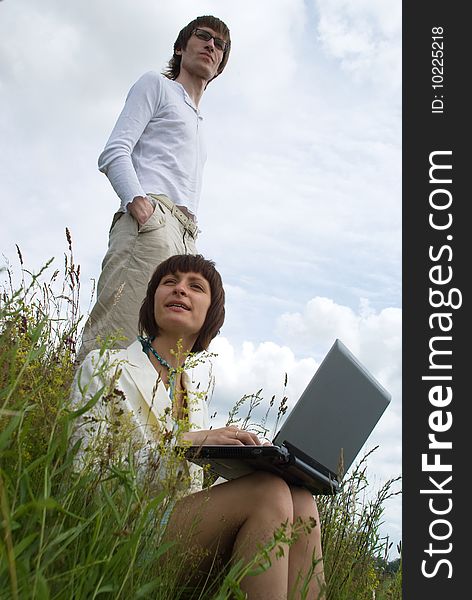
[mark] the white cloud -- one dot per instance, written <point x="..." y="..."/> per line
<point x="365" y="36"/>
<point x="372" y="335"/>
<point x="247" y="369"/>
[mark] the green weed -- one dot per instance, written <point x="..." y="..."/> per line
<point x="68" y="533"/>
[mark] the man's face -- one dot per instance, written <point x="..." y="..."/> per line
<point x="201" y="58"/>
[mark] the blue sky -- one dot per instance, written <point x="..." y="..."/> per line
<point x="301" y="204"/>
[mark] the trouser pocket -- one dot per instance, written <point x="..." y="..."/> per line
<point x="156" y="221"/>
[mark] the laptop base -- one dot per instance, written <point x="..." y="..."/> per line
<point x="231" y="462"/>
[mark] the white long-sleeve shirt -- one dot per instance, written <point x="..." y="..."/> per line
<point x="156" y="146"/>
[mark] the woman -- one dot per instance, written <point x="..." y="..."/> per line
<point x="182" y="312"/>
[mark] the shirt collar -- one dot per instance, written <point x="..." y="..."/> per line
<point x="187" y="99"/>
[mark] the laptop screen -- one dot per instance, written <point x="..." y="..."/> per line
<point x="337" y="411"/>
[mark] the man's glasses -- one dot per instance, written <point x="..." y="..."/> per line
<point x="202" y="34"/>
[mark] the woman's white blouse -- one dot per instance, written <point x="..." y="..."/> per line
<point x="143" y="401"/>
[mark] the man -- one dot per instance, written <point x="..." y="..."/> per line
<point x="154" y="160"/>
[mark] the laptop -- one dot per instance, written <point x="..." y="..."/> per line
<point x="321" y="436"/>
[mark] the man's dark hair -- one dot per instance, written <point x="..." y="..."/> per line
<point x="173" y="68"/>
<point x="187" y="263"/>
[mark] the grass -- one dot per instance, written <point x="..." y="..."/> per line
<point x="88" y="533"/>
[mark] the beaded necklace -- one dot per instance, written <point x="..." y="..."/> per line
<point x="148" y="347"/>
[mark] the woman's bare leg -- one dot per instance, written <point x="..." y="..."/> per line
<point x="232" y="520"/>
<point x="307" y="549"/>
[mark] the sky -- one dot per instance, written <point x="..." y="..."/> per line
<point x="301" y="200"/>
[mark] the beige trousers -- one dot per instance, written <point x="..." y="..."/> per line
<point x="133" y="254"/>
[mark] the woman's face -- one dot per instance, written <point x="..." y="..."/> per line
<point x="181" y="303"/>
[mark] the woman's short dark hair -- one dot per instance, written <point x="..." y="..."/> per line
<point x="173" y="68"/>
<point x="187" y="263"/>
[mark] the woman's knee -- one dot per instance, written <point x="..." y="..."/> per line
<point x="304" y="505"/>
<point x="270" y="494"/>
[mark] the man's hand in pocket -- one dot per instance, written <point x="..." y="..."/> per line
<point x="141" y="209"/>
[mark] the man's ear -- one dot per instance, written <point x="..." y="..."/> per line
<point x="178" y="52"/>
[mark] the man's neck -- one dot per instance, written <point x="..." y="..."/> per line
<point x="194" y="86"/>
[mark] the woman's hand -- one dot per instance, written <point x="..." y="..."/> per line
<point x="227" y="436"/>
